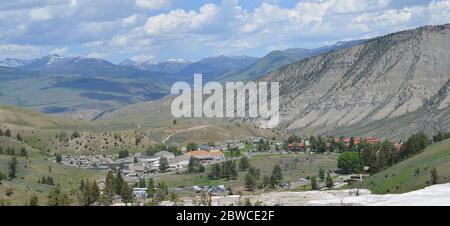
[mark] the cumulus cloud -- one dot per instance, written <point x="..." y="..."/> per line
<point x="60" y="51"/>
<point x="169" y="29"/>
<point x="20" y="51"/>
<point x="153" y="4"/>
<point x="40" y="14"/>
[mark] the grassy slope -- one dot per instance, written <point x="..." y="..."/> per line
<point x="402" y="177"/>
<point x="155" y="118"/>
<point x="35" y="167"/>
<point x="39" y="131"/>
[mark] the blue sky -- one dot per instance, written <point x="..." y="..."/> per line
<point x="157" y="30"/>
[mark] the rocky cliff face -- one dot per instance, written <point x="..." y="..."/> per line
<point x="386" y="78"/>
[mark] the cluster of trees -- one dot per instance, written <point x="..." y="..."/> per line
<point x="155" y="148"/>
<point x="191" y="146"/>
<point x="322" y="144"/>
<point x="195" y="166"/>
<point x="294" y="139"/>
<point x="414" y="145"/>
<point x="157" y="192"/>
<point x="7" y="133"/>
<point x="89" y="193"/>
<point x="62" y="137"/>
<point x="12" y="163"/>
<point x="440" y="136"/>
<point x="275" y="178"/>
<point x="349" y="162"/>
<point x="253" y="180"/>
<point x="329" y="183"/>
<point x="381" y="155"/>
<point x="7" y="151"/>
<point x="56" y="197"/>
<point x="234" y="151"/>
<point x="11" y="151"/>
<point x="318" y="144"/>
<point x="115" y="185"/>
<point x="227" y="170"/>
<point x="263" y="146"/>
<point x="48" y="180"/>
<point x="374" y="156"/>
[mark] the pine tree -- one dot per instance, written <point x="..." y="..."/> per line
<point x="12" y="168"/>
<point x="314" y="183"/>
<point x="19" y="138"/>
<point x="163" y="164"/>
<point x="250" y="181"/>
<point x="23" y="152"/>
<point x="109" y="189"/>
<point x="118" y="183"/>
<point x="434" y="176"/>
<point x="8" y="133"/>
<point x="123" y="154"/>
<point x="163" y="191"/>
<point x="215" y="173"/>
<point x="321" y="174"/>
<point x="34" y="200"/>
<point x="151" y="187"/>
<point x="244" y="164"/>
<point x="255" y="172"/>
<point x="329" y="182"/>
<point x="195" y="166"/>
<point x="127" y="193"/>
<point x="57" y="198"/>
<point x="95" y="192"/>
<point x="58" y="158"/>
<point x="277" y="174"/>
<point x="141" y="183"/>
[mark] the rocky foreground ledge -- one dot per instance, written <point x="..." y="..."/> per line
<point x="437" y="195"/>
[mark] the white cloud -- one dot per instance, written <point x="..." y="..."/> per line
<point x="139" y="27"/>
<point x="19" y="51"/>
<point x="95" y="55"/>
<point x="153" y="4"/>
<point x="129" y="21"/>
<point x="40" y="14"/>
<point x="60" y="51"/>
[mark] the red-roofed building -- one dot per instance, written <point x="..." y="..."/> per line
<point x="206" y="155"/>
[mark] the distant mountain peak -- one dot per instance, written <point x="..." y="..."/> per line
<point x="177" y="60"/>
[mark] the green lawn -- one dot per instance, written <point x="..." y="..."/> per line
<point x="307" y="165"/>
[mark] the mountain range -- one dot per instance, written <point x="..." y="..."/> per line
<point x="79" y="87"/>
<point x="391" y="86"/>
<point x="388" y="87"/>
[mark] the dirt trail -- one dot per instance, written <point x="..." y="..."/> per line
<point x="183" y="131"/>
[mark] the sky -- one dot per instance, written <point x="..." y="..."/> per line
<point x="158" y="30"/>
